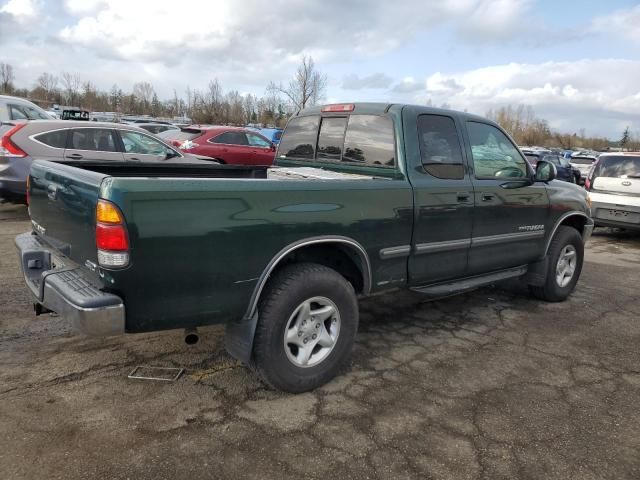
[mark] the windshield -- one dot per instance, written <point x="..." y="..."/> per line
<point x="618" y="166"/>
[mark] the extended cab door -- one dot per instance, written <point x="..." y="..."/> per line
<point x="510" y="211"/>
<point x="443" y="198"/>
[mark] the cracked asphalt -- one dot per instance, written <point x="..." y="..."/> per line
<point x="486" y="385"/>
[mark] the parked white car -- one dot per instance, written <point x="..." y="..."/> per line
<point x="614" y="185"/>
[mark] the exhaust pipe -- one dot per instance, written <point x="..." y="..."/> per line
<point x="191" y="336"/>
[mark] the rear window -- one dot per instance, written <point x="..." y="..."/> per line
<point x="619" y="166"/>
<point x="57" y="139"/>
<point x="178" y="135"/>
<point x="367" y="139"/>
<point x="299" y="139"/>
<point x="582" y="160"/>
<point x="331" y="137"/>
<point x="27" y="112"/>
<point x="533" y="159"/>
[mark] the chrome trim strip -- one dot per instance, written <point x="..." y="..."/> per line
<point x="362" y="253"/>
<point x="505" y="238"/>
<point x="395" y="252"/>
<point x="436" y="247"/>
<point x="560" y="220"/>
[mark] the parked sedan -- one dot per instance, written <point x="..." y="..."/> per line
<point x="60" y="140"/>
<point x="233" y="145"/>
<point x="563" y="166"/>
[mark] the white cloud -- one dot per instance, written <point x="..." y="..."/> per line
<point x="568" y="94"/>
<point x="625" y="23"/>
<point x="19" y="8"/>
<point x="408" y="85"/>
<point x="375" y="80"/>
<point x="249" y="31"/>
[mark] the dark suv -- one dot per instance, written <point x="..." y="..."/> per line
<point x="564" y="170"/>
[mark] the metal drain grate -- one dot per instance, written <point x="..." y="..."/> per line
<point x="158" y="374"/>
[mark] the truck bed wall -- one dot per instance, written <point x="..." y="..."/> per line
<point x="200" y="245"/>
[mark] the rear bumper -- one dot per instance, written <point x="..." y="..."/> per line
<point x="63" y="287"/>
<point x="620" y="222"/>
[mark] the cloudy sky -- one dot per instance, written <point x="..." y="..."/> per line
<point x="577" y="63"/>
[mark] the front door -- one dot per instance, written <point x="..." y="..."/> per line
<point x="140" y="147"/>
<point x="443" y="197"/>
<point x="510" y="211"/>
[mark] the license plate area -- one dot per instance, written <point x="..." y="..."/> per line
<point x="618" y="215"/>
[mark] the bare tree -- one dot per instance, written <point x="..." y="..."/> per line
<point x="144" y="93"/>
<point x="6" y="78"/>
<point x="49" y="85"/>
<point x="307" y="87"/>
<point x="71" y="83"/>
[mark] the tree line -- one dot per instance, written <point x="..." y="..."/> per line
<point x="529" y="130"/>
<point x="212" y="105"/>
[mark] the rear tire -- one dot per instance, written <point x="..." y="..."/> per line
<point x="308" y="319"/>
<point x="566" y="256"/>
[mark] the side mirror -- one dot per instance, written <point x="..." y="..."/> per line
<point x="545" y="171"/>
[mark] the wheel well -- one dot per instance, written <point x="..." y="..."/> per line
<point x="576" y="221"/>
<point x="339" y="257"/>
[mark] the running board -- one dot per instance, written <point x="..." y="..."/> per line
<point x="470" y="283"/>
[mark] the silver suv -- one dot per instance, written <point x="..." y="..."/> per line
<point x="64" y="140"/>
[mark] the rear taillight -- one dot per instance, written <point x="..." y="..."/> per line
<point x="7" y="147"/>
<point x="112" y="239"/>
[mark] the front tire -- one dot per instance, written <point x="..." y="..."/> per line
<point x="566" y="256"/>
<point x="307" y="322"/>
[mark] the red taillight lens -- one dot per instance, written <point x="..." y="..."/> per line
<point x="339" y="107"/>
<point x="587" y="184"/>
<point x="7" y="147"/>
<point x="111" y="237"/>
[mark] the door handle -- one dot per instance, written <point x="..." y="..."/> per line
<point x="463" y="197"/>
<point x="75" y="156"/>
<point x="487" y="197"/>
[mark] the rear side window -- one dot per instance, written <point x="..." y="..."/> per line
<point x="231" y="138"/>
<point x="618" y="166"/>
<point x="299" y="139"/>
<point x="440" y="147"/>
<point x="57" y="139"/>
<point x="96" y="139"/>
<point x="369" y="140"/>
<point x="331" y="137"/>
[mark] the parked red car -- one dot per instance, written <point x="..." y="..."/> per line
<point x="233" y="145"/>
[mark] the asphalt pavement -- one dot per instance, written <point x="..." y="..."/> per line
<point x="488" y="385"/>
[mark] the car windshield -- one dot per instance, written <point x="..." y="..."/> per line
<point x="618" y="166"/>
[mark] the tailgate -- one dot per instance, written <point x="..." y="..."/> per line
<point x="621" y="186"/>
<point x="62" y="207"/>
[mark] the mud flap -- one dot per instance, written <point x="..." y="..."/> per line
<point x="537" y="272"/>
<point x="238" y="339"/>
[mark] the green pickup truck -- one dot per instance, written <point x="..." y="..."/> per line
<point x="363" y="198"/>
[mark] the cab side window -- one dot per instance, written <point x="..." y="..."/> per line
<point x="440" y="147"/>
<point x="494" y="155"/>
